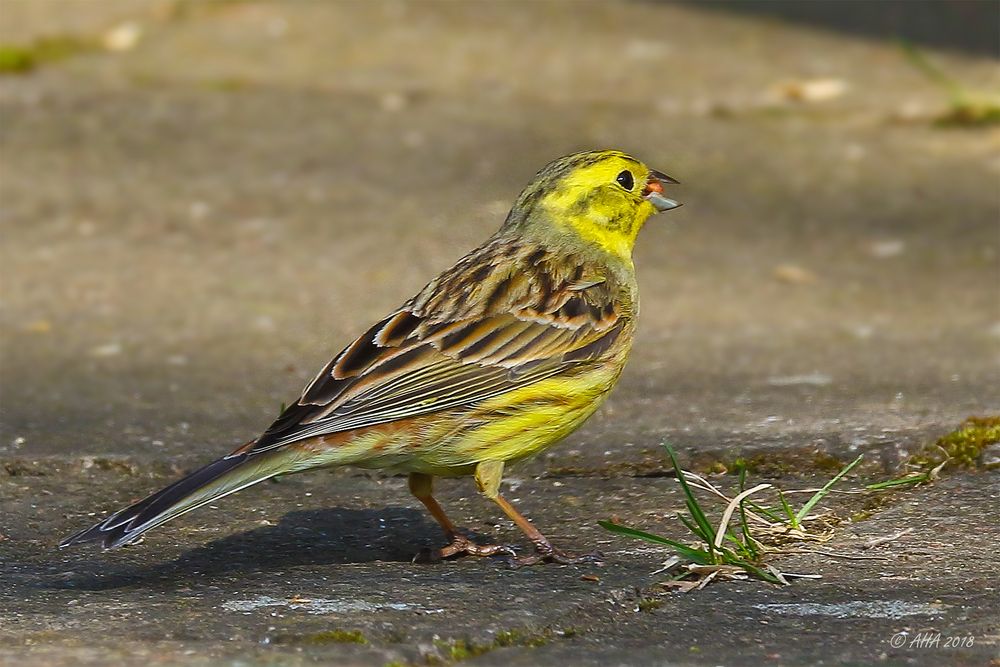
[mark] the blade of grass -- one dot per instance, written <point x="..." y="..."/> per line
<point x="694" y="528"/>
<point x="792" y="520"/>
<point x="730" y="558"/>
<point x="701" y="484"/>
<point x="804" y="511"/>
<point x="895" y="483"/>
<point x="933" y="72"/>
<point x="758" y="572"/>
<point x="773" y="516"/>
<point x="748" y="541"/>
<point x="728" y="514"/>
<point x="739" y="548"/>
<point x="692" y="504"/>
<point x="699" y="556"/>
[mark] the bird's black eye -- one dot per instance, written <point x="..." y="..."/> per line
<point x="626" y="180"/>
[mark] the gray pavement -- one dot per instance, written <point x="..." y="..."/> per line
<point x="193" y="224"/>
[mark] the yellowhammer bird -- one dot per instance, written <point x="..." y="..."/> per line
<point x="495" y="360"/>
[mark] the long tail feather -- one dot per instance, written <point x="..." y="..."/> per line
<point x="217" y="479"/>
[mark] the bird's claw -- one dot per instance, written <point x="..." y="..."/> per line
<point x="463" y="546"/>
<point x="546" y="553"/>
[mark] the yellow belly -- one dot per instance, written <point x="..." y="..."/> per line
<point x="509" y="427"/>
<point x="512" y="426"/>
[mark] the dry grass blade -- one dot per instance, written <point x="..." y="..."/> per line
<point x="699" y="482"/>
<point x="888" y="538"/>
<point x="720" y="534"/>
<point x="834" y="554"/>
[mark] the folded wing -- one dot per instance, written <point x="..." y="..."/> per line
<point x="434" y="355"/>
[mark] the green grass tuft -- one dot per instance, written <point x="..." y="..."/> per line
<point x="965" y="108"/>
<point x="722" y="545"/>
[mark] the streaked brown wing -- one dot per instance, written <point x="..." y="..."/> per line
<point x="473" y="361"/>
<point x="468" y="336"/>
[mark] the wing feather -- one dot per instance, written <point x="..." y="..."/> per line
<point x="523" y="327"/>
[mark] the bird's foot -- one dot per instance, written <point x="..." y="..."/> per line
<point x="546" y="553"/>
<point x="462" y="546"/>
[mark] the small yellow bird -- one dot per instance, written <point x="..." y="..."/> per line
<point x="496" y="359"/>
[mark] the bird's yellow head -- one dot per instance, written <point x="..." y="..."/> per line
<point x="600" y="197"/>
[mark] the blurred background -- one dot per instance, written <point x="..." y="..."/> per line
<point x="201" y="202"/>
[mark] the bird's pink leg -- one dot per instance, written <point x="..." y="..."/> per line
<point x="422" y="487"/>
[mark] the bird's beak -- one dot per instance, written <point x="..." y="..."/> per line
<point x="653" y="192"/>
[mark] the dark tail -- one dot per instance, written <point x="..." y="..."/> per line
<point x="217" y="479"/>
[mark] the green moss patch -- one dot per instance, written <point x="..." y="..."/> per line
<point x="457" y="650"/>
<point x="21" y="59"/>
<point x="324" y="637"/>
<point x="963" y="447"/>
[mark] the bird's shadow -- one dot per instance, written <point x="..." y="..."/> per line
<point x="311" y="537"/>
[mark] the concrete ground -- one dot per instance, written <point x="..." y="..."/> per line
<point x="200" y="202"/>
